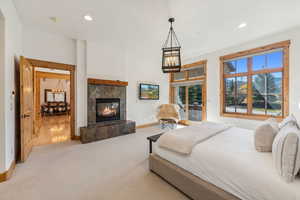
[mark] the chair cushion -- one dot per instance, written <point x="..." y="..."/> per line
<point x="265" y="134"/>
<point x="168" y="111"/>
<point x="286" y="152"/>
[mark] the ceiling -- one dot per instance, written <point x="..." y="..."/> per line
<point x="112" y="18"/>
<point x="208" y="25"/>
<point x="201" y="25"/>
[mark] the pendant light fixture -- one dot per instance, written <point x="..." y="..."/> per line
<point x="59" y="87"/>
<point x="171" y="58"/>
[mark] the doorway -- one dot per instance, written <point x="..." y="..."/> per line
<point x="190" y="101"/>
<point x="47" y="104"/>
<point x="188" y="91"/>
<point x="52" y="106"/>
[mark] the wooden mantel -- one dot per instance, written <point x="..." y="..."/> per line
<point x="107" y="82"/>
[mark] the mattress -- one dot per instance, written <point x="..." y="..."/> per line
<point x="230" y="162"/>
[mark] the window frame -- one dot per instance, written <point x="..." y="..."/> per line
<point x="185" y="69"/>
<point x="284" y="45"/>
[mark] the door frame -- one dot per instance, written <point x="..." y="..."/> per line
<point x="38" y="75"/>
<point x="187" y="79"/>
<point x="71" y="68"/>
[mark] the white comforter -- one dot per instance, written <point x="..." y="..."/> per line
<point x="184" y="140"/>
<point x="230" y="161"/>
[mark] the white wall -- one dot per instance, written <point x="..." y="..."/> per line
<point x="13" y="49"/>
<point x="2" y="89"/>
<point x="57" y="48"/>
<point x="47" y="46"/>
<point x="81" y="85"/>
<point x="134" y="56"/>
<point x="213" y="80"/>
<point x="137" y="63"/>
<point x="106" y="60"/>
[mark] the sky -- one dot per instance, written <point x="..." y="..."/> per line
<point x="270" y="60"/>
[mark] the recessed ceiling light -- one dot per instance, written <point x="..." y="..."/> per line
<point x="88" y="18"/>
<point x="242" y="25"/>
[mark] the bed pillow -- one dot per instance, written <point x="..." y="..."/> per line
<point x="286" y="152"/>
<point x="265" y="134"/>
<point x="289" y="120"/>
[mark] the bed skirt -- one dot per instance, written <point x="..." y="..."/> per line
<point x="190" y="185"/>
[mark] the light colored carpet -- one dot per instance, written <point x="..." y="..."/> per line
<point x="110" y="169"/>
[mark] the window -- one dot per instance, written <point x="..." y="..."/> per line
<point x="196" y="73"/>
<point x="179" y="76"/>
<point x="190" y="72"/>
<point x="255" y="82"/>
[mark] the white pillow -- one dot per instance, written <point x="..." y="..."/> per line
<point x="289" y="120"/>
<point x="286" y="152"/>
<point x="265" y="134"/>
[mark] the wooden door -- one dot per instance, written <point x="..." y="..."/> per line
<point x="27" y="107"/>
<point x="191" y="100"/>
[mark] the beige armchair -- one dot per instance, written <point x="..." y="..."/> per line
<point x="168" y="114"/>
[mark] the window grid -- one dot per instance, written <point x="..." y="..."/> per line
<point x="188" y="73"/>
<point x="266" y="69"/>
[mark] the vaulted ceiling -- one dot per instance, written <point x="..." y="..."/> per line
<point x="208" y="25"/>
<point x="112" y="18"/>
<point x="201" y="25"/>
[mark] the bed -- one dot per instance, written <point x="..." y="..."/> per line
<point x="224" y="167"/>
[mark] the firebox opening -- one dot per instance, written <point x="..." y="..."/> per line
<point x="107" y="109"/>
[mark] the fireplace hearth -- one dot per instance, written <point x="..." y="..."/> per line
<point x="107" y="109"/>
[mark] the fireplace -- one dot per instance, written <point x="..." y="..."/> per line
<point x="107" y="109"/>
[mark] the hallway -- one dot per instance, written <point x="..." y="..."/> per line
<point x="53" y="129"/>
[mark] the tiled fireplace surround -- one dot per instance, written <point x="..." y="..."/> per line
<point x="103" y="130"/>
<point x="105" y="91"/>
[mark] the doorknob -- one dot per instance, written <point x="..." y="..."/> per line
<point x="25" y="115"/>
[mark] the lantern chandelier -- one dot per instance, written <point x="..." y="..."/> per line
<point x="171" y="58"/>
<point x="58" y="88"/>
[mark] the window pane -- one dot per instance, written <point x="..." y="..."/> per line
<point x="259" y="94"/>
<point x="270" y="60"/>
<point x="180" y="97"/>
<point x="259" y="62"/>
<point x="179" y="76"/>
<point x="229" y="103"/>
<point x="241" y="97"/>
<point x="241" y="65"/>
<point x="267" y="94"/>
<point x="230" y="67"/>
<point x="236" y="94"/>
<point x="274" y="98"/>
<point x="275" y="59"/>
<point x="230" y="89"/>
<point x="193" y="73"/>
<point x="230" y="86"/>
<point x="195" y="103"/>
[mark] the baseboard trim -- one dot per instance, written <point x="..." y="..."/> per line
<point x="147" y="125"/>
<point x="76" y="137"/>
<point x="7" y="174"/>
